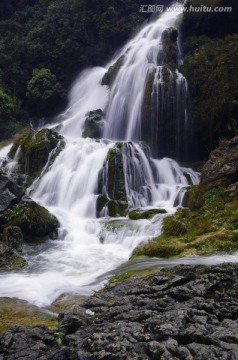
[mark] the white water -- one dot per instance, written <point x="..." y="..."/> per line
<point x="88" y="247"/>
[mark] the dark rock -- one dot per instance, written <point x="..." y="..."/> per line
<point x="112" y="72"/>
<point x="113" y="197"/>
<point x="13" y="238"/>
<point x="222" y="167"/>
<point x="10" y="192"/>
<point x="18" y="210"/>
<point x="186" y="312"/>
<point x="93" y="126"/>
<point x="9" y="259"/>
<point x="169" y="41"/>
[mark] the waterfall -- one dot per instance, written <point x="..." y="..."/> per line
<point x="89" y="245"/>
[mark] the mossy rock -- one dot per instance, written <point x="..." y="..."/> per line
<point x="114" y="172"/>
<point x="210" y="229"/>
<point x="117" y="208"/>
<point x="93" y="126"/>
<point x="112" y="72"/>
<point x="35" y="150"/>
<point x="145" y="214"/>
<point x="9" y="259"/>
<point x="14" y="311"/>
<point x="35" y="222"/>
<point x="102" y="201"/>
<point x="170" y="47"/>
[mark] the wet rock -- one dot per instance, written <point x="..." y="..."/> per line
<point x="9" y="259"/>
<point x="93" y="126"/>
<point x="10" y="192"/>
<point x="145" y="214"/>
<point x="113" y="198"/>
<point x="13" y="238"/>
<point x="112" y="72"/>
<point x="37" y="149"/>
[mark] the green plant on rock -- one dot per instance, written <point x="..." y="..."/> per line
<point x="212" y="195"/>
<point x="16" y="211"/>
<point x="220" y="161"/>
<point x="58" y="334"/>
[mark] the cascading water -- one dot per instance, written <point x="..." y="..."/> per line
<point x="89" y="246"/>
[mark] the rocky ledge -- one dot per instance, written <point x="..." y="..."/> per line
<point x="181" y="313"/>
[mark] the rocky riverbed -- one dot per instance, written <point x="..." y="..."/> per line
<point x="185" y="312"/>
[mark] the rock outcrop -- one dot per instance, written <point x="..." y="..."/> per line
<point x="93" y="126"/>
<point x="37" y="150"/>
<point x="222" y="167"/>
<point x="180" y="313"/>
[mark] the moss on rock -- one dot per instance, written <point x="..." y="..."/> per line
<point x="170" y="47"/>
<point x="9" y="259"/>
<point x="34" y="221"/>
<point x="35" y="150"/>
<point x="145" y="214"/>
<point x="210" y="227"/>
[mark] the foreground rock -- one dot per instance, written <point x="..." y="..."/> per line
<point x="181" y="313"/>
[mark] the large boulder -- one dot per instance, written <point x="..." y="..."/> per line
<point x="37" y="149"/>
<point x="35" y="222"/>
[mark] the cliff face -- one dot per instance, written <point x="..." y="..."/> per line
<point x="185" y="312"/>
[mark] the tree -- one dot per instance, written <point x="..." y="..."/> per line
<point x="8" y="124"/>
<point x="45" y="94"/>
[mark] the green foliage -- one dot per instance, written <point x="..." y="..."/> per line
<point x="63" y="37"/>
<point x="44" y="92"/>
<point x="58" y="334"/>
<point x="15" y="211"/>
<point x="8" y="123"/>
<point x="212" y="196"/>
<point x="211" y="68"/>
<point x="177" y="224"/>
